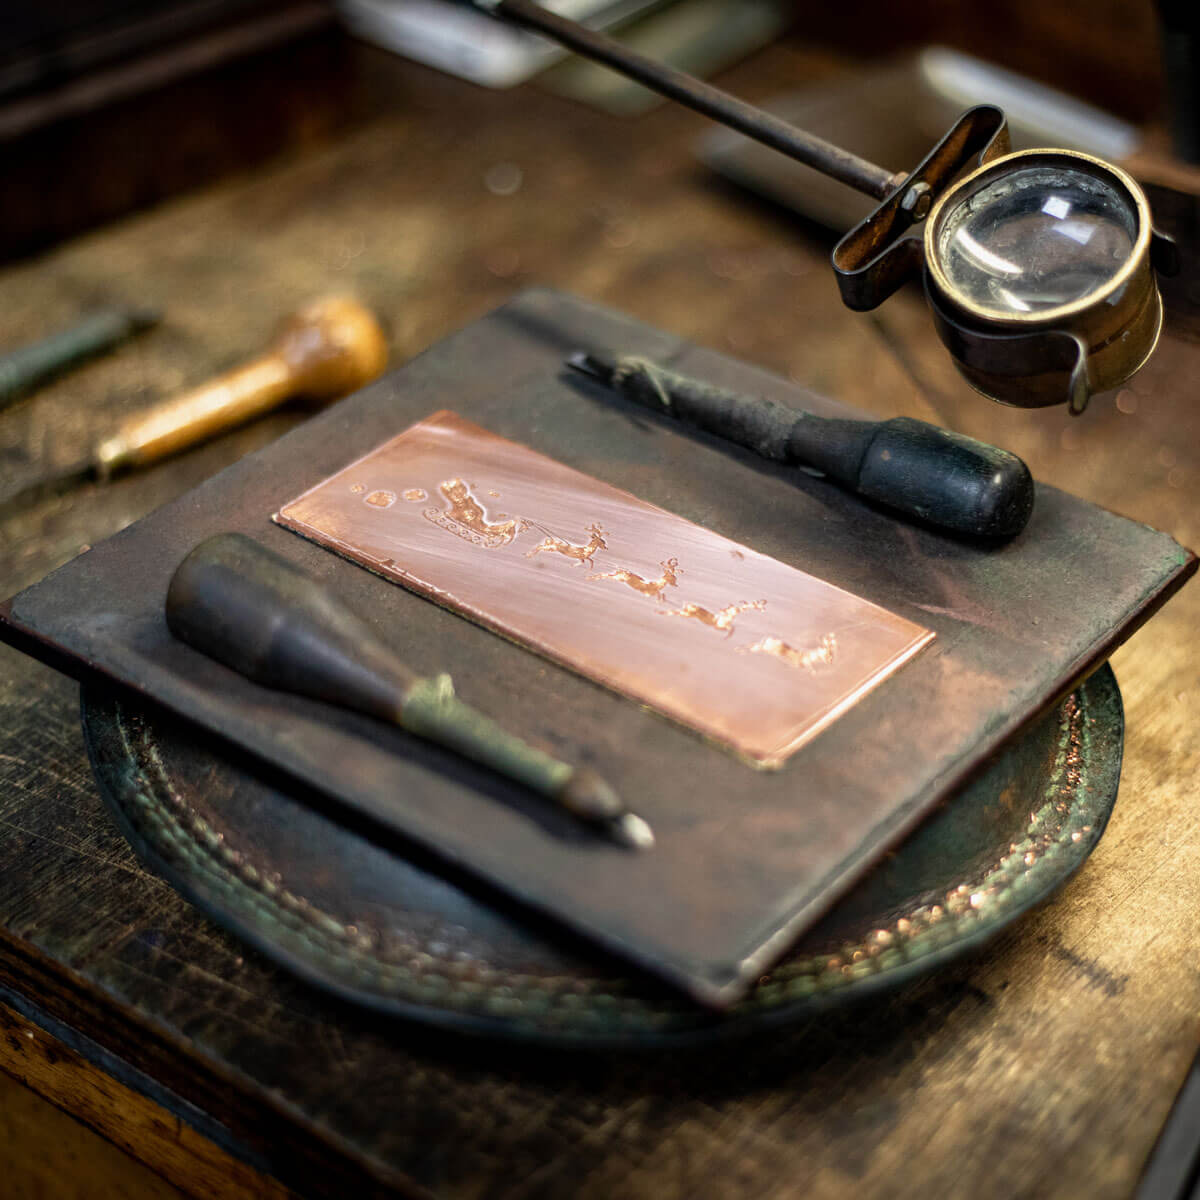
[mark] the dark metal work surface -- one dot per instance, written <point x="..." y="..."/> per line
<point x="329" y="903"/>
<point x="704" y="910"/>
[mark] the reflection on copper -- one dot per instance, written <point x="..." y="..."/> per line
<point x="580" y="554"/>
<point x="722" y="621"/>
<point x="519" y="576"/>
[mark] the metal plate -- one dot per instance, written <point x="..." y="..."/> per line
<point x="753" y="653"/>
<point x="333" y="906"/>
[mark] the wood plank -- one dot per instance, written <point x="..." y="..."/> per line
<point x="177" y="1160"/>
<point x="47" y="1153"/>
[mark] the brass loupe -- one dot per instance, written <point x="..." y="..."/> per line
<point x="1039" y="266"/>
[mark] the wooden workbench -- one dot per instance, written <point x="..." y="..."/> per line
<point x="1044" y="1067"/>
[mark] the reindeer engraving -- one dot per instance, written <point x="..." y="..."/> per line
<point x="647" y="587"/>
<point x="722" y="621"/>
<point x="581" y="554"/>
<point x="821" y="655"/>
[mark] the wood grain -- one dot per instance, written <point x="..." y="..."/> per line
<point x="48" y="1155"/>
<point x="182" y="1160"/>
<point x="1044" y="1068"/>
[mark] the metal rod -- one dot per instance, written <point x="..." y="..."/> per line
<point x="804" y="147"/>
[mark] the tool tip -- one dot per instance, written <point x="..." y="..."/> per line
<point x="145" y="316"/>
<point x="630" y="830"/>
<point x="593" y="799"/>
<point x="597" y="366"/>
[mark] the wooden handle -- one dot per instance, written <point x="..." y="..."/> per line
<point x="224" y="402"/>
<point x="325" y="350"/>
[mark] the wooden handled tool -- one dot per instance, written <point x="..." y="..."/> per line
<point x="327" y="349"/>
<point x="938" y="477"/>
<point x="245" y="606"/>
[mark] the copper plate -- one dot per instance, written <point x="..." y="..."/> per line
<point x="741" y="647"/>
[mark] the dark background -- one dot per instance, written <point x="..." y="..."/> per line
<point x="109" y="106"/>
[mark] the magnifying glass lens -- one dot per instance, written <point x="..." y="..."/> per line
<point x="1036" y="238"/>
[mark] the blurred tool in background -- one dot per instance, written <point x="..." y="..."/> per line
<point x="699" y="36"/>
<point x="453" y="38"/>
<point x="28" y="367"/>
<point x="328" y="349"/>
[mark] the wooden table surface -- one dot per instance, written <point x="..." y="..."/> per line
<point x="1044" y="1067"/>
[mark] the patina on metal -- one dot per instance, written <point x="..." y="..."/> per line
<point x="748" y="651"/>
<point x="326" y="349"/>
<point x="237" y="602"/>
<point x="28" y="367"/>
<point x="935" y="475"/>
<point x="1057" y="348"/>
<point x="392" y="936"/>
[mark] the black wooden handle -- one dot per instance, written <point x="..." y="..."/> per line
<point x="932" y="474"/>
<point x="245" y="606"/>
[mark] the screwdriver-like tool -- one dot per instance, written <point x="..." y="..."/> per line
<point x="27" y="367"/>
<point x="939" y="477"/>
<point x="325" y="350"/>
<point x="245" y="606"/>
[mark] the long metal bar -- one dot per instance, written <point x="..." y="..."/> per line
<point x="805" y="147"/>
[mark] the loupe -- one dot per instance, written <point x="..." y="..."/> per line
<point x="1039" y="274"/>
<point x="1039" y="266"/>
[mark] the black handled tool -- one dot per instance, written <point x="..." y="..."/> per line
<point x="942" y="478"/>
<point x="239" y="603"/>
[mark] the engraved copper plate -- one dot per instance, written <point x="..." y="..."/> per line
<point x="750" y="652"/>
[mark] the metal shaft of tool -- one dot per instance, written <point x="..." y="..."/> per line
<point x="761" y="126"/>
<point x="24" y="369"/>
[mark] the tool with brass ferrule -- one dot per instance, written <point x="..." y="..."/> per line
<point x="325" y="350"/>
<point x="239" y="603"/>
<point x="939" y="477"/>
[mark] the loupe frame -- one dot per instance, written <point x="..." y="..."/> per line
<point x="1028" y="360"/>
<point x="878" y="256"/>
<point x="1087" y="345"/>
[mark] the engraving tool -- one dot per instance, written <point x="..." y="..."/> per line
<point x="237" y="602"/>
<point x="940" y="477"/>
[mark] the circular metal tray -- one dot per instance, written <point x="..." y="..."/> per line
<point x="339" y="906"/>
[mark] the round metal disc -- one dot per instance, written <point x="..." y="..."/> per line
<point x="341" y="907"/>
